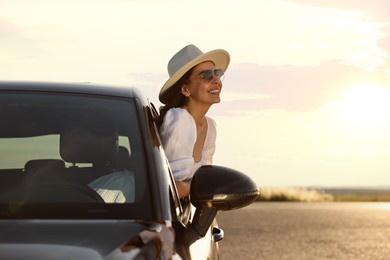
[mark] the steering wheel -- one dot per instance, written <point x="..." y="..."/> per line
<point x="61" y="191"/>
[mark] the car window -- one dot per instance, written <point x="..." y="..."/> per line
<point x="70" y="149"/>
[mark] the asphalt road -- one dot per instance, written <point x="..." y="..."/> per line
<point x="290" y="230"/>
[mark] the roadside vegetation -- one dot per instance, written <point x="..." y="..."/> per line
<point x="293" y="194"/>
<point x="367" y="197"/>
<point x="300" y="194"/>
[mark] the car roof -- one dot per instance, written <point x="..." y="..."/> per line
<point x="72" y="87"/>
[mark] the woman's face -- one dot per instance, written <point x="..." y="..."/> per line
<point x="203" y="85"/>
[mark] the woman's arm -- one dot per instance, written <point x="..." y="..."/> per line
<point x="178" y="135"/>
<point x="183" y="188"/>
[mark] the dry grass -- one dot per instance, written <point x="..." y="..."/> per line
<point x="314" y="195"/>
<point x="369" y="197"/>
<point x="293" y="194"/>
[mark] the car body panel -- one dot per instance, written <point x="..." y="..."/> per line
<point x="76" y="239"/>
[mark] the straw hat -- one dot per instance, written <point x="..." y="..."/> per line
<point x="187" y="58"/>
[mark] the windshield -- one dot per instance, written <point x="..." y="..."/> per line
<point x="81" y="155"/>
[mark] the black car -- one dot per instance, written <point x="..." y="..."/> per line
<point x="83" y="175"/>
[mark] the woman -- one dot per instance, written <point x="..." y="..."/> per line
<point x="187" y="134"/>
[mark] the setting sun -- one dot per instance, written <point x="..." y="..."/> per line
<point x="364" y="108"/>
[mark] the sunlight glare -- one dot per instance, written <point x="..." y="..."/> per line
<point x="382" y="206"/>
<point x="364" y="107"/>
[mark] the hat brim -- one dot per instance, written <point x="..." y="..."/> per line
<point x="219" y="57"/>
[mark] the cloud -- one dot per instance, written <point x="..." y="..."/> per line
<point x="377" y="8"/>
<point x="16" y="48"/>
<point x="310" y="32"/>
<point x="384" y="44"/>
<point x="300" y="88"/>
<point x="7" y="29"/>
<point x="249" y="88"/>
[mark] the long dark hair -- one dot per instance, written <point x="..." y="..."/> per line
<point x="175" y="97"/>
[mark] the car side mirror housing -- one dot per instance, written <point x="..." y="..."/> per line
<point x="222" y="188"/>
<point x="213" y="189"/>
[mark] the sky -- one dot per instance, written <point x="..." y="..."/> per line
<point x="305" y="100"/>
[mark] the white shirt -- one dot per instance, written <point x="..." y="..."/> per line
<point x="178" y="136"/>
<point x="117" y="187"/>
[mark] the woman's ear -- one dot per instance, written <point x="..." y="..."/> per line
<point x="185" y="91"/>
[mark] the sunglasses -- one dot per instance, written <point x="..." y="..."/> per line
<point x="208" y="75"/>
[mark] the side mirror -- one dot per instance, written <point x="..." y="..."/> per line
<point x="213" y="189"/>
<point x="222" y="188"/>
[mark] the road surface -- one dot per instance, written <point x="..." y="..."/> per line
<point x="291" y="230"/>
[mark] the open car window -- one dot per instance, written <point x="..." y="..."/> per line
<point x="80" y="151"/>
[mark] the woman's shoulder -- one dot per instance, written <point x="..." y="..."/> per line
<point x="177" y="111"/>
<point x="178" y="131"/>
<point x="177" y="118"/>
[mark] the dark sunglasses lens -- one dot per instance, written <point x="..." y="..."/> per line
<point x="207" y="75"/>
<point x="218" y="73"/>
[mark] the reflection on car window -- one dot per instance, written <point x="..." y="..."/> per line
<point x="69" y="148"/>
<point x="15" y="152"/>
